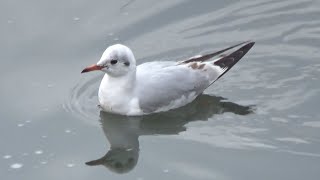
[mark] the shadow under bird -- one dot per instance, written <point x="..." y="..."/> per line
<point x="157" y="86"/>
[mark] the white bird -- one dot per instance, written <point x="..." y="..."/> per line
<point x="157" y="86"/>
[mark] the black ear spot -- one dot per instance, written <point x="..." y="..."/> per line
<point x="126" y="63"/>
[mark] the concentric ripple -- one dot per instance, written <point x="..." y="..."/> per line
<point x="83" y="99"/>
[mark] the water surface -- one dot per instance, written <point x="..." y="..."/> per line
<point x="260" y="121"/>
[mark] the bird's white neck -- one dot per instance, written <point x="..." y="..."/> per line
<point x="123" y="83"/>
<point x="117" y="94"/>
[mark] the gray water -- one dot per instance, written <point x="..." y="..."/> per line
<point x="260" y="121"/>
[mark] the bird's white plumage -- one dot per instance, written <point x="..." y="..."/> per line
<point x="166" y="85"/>
<point x="151" y="87"/>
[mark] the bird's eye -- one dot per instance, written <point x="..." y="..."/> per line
<point x="113" y="62"/>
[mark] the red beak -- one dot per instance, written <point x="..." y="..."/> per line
<point x="93" y="67"/>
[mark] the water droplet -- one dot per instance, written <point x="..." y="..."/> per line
<point x="38" y="152"/>
<point x="67" y="131"/>
<point x="7" y="156"/>
<point x="44" y="136"/>
<point x="16" y="165"/>
<point x="70" y="165"/>
<point x="166" y="171"/>
<point x="44" y="162"/>
<point x="50" y="85"/>
<point x="76" y="18"/>
<point x="20" y="125"/>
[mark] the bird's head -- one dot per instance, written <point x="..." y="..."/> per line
<point x="117" y="60"/>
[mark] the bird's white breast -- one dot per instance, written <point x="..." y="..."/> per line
<point x="116" y="99"/>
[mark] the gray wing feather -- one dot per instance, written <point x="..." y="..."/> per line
<point x="161" y="82"/>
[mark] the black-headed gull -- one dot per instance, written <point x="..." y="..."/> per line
<point x="158" y="86"/>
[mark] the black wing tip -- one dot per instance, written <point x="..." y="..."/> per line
<point x="230" y="60"/>
<point x="236" y="55"/>
<point x="93" y="163"/>
<point x="249" y="44"/>
<point x="246" y="47"/>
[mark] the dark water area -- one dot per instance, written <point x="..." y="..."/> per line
<point x="260" y="121"/>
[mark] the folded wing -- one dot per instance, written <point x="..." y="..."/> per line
<point x="169" y="85"/>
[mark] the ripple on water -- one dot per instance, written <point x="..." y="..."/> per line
<point x="82" y="100"/>
<point x="293" y="140"/>
<point x="315" y="124"/>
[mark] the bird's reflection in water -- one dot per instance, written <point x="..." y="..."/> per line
<point x="123" y="132"/>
